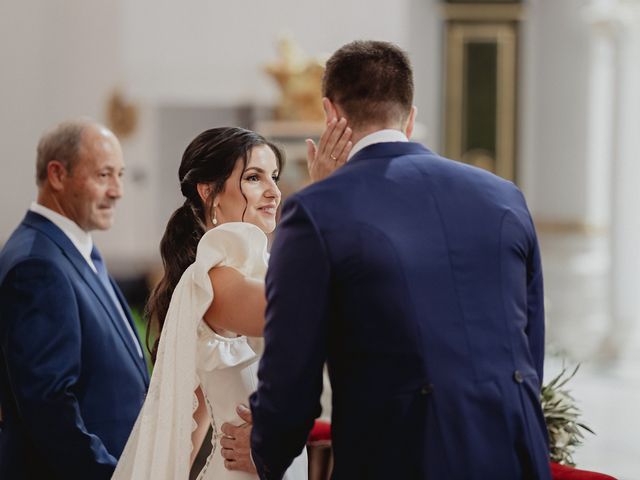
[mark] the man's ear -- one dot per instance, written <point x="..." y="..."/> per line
<point x="411" y="121"/>
<point x="56" y="175"/>
<point x="330" y="110"/>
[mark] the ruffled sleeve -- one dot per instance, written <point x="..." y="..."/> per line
<point x="160" y="444"/>
<point x="216" y="352"/>
<point x="235" y="244"/>
<point x="242" y="246"/>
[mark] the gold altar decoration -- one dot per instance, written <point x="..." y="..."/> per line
<point x="122" y="115"/>
<point x="300" y="80"/>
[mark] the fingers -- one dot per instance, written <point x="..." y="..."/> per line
<point x="343" y="147"/>
<point x="229" y="453"/>
<point x="240" y="465"/>
<point x="242" y="410"/>
<point x="235" y="443"/>
<point x="227" y="442"/>
<point x="345" y="153"/>
<point x="240" y="461"/>
<point x="332" y="150"/>
<point x="342" y="157"/>
<point x="233" y="451"/>
<point x="229" y="430"/>
<point x="312" y="151"/>
<point x="338" y="132"/>
<point x="333" y="140"/>
<point x="322" y="143"/>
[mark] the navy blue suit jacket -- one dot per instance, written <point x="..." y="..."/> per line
<point x="418" y="280"/>
<point x="71" y="381"/>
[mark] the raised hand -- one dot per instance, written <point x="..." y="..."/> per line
<point x="332" y="149"/>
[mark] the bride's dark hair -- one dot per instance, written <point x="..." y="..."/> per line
<point x="210" y="158"/>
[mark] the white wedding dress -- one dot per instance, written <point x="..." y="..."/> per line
<point x="191" y="354"/>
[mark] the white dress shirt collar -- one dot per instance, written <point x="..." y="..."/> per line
<point x="381" y="136"/>
<point x="81" y="240"/>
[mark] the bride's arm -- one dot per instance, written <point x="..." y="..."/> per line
<point x="239" y="302"/>
<point x="201" y="417"/>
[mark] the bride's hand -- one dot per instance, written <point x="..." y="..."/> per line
<point x="332" y="150"/>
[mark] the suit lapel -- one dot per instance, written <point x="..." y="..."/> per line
<point x="46" y="227"/>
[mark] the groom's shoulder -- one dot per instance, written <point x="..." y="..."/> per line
<point x="334" y="186"/>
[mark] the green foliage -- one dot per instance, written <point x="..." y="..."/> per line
<point x="561" y="415"/>
<point x="141" y="330"/>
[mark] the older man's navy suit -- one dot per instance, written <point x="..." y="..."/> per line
<point x="71" y="380"/>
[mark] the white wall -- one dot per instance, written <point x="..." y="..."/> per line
<point x="201" y="50"/>
<point x="556" y="101"/>
<point x="61" y="58"/>
<point x="425" y="49"/>
<point x="22" y="98"/>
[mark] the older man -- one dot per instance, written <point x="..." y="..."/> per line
<point x="72" y="373"/>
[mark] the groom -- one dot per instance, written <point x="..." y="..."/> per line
<point x="418" y="280"/>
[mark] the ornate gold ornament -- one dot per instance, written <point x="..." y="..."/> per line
<point x="300" y="80"/>
<point x="122" y="115"/>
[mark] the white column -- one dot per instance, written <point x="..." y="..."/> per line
<point x="615" y="138"/>
<point x="625" y="216"/>
<point x="601" y="111"/>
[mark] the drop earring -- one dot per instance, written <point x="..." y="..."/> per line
<point x="214" y="220"/>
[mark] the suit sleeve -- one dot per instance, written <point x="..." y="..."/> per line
<point x="40" y="335"/>
<point x="290" y="373"/>
<point x="535" y="307"/>
<point x="535" y="329"/>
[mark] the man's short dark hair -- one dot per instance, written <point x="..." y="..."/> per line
<point x="371" y="81"/>
<point x="61" y="143"/>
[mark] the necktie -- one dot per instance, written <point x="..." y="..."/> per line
<point x="104" y="279"/>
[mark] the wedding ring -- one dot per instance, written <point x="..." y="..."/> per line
<point x="333" y="157"/>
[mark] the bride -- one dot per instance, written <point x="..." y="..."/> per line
<point x="209" y="305"/>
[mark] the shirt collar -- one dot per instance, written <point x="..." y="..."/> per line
<point x="381" y="136"/>
<point x="81" y="240"/>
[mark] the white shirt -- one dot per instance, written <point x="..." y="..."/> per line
<point x="81" y="240"/>
<point x="381" y="136"/>
<point x="84" y="243"/>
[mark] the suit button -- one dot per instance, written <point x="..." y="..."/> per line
<point x="517" y="376"/>
<point x="426" y="389"/>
